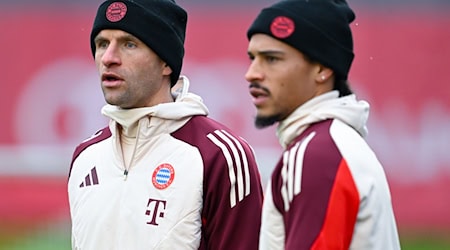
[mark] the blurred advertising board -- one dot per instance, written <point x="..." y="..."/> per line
<point x="51" y="99"/>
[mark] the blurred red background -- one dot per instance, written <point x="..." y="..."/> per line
<point x="51" y="99"/>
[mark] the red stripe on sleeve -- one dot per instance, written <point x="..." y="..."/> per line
<point x="340" y="219"/>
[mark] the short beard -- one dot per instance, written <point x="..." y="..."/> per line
<point x="262" y="122"/>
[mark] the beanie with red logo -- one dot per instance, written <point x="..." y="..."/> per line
<point x="318" y="28"/>
<point x="160" y="24"/>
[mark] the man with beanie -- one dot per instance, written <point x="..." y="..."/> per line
<point x="328" y="190"/>
<point x="161" y="175"/>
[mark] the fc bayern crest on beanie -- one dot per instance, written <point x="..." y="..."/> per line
<point x="318" y="28"/>
<point x="160" y="24"/>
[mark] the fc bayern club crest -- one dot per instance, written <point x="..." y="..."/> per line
<point x="116" y="11"/>
<point x="163" y="176"/>
<point x="282" y="27"/>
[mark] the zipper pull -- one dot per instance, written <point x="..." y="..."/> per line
<point x="125" y="174"/>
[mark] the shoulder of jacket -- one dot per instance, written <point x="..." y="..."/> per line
<point x="97" y="137"/>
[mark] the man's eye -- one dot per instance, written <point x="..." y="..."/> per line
<point x="102" y="44"/>
<point x="130" y="45"/>
<point x="271" y="59"/>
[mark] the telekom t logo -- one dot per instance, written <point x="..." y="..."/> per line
<point x="155" y="210"/>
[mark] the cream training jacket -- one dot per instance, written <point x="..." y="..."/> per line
<point x="328" y="190"/>
<point x="180" y="181"/>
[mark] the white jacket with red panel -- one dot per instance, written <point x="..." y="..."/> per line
<point x="328" y="190"/>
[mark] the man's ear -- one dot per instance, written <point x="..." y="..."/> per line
<point x="167" y="70"/>
<point x="323" y="74"/>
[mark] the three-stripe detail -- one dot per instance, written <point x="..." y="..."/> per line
<point x="291" y="172"/>
<point x="236" y="158"/>
<point x="90" y="179"/>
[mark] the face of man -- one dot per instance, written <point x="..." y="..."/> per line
<point x="281" y="79"/>
<point x="131" y="74"/>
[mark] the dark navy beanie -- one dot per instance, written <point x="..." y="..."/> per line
<point x="318" y="28"/>
<point x="160" y="24"/>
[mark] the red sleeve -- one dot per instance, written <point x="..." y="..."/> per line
<point x="323" y="213"/>
<point x="340" y="217"/>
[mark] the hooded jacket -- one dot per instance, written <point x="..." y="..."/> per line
<point x="178" y="180"/>
<point x="328" y="190"/>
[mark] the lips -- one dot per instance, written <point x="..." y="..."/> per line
<point x="110" y="79"/>
<point x="260" y="95"/>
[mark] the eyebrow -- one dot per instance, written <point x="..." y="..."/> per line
<point x="98" y="38"/>
<point x="125" y="37"/>
<point x="129" y="37"/>
<point x="267" y="52"/>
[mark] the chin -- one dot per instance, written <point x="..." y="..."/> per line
<point x="266" y="121"/>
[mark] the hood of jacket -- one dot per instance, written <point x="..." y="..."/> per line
<point x="348" y="109"/>
<point x="167" y="116"/>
